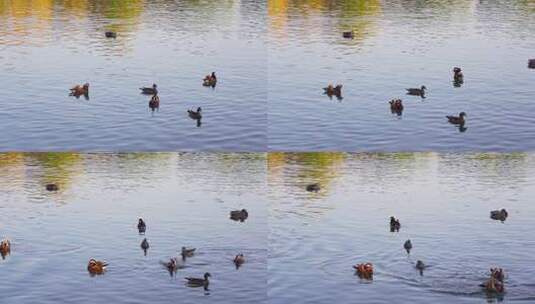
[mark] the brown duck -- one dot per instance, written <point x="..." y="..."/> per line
<point x="96" y="267"/>
<point x="210" y="80"/>
<point x="79" y="90"/>
<point x="5" y="248"/>
<point x="457" y="120"/>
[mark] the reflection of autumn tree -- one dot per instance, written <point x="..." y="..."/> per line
<point x="58" y="168"/>
<point x="489" y="168"/>
<point x="44" y="17"/>
<point x="298" y="169"/>
<point x="30" y="172"/>
<point x="355" y="15"/>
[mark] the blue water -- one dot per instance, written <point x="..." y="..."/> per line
<point x="397" y="45"/>
<point x="94" y="215"/>
<point x="46" y="47"/>
<point x="443" y="202"/>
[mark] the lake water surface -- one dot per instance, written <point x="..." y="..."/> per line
<point x="401" y="44"/>
<point x="185" y="200"/>
<point x="48" y="46"/>
<point x="443" y="203"/>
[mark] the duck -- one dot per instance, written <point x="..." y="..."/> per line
<point x="364" y="270"/>
<point x="408" y="246"/>
<point x="396" y="106"/>
<point x="531" y="63"/>
<point x="187" y="252"/>
<point x="79" y="90"/>
<point x="239" y="215"/>
<point x="313" y="187"/>
<point x="52" y="187"/>
<point x="417" y="92"/>
<point x="96" y="267"/>
<point x="5" y="248"/>
<point x="420" y="265"/>
<point x="141" y="226"/>
<point x="154" y="102"/>
<point x="195" y="114"/>
<point x="331" y="90"/>
<point x="210" y="80"/>
<point x="150" y="91"/>
<point x="239" y="260"/>
<point x="495" y="282"/>
<point x="110" y="34"/>
<point x="499" y="215"/>
<point x="394" y="224"/>
<point x="458" y="75"/>
<point x="145" y="245"/>
<point x="198" y="282"/>
<point x="349" y="34"/>
<point x="171" y="265"/>
<point x="457" y="120"/>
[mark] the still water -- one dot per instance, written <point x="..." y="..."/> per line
<point x="400" y="44"/>
<point x="185" y="200"/>
<point x="443" y="203"/>
<point x="48" y="46"/>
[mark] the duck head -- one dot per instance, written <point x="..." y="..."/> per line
<point x="199" y="110"/>
<point x="154" y="86"/>
<point x="423" y="88"/>
<point x="462" y="114"/>
<point x="207" y="275"/>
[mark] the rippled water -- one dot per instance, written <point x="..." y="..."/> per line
<point x="48" y="46"/>
<point x="443" y="203"/>
<point x="400" y="44"/>
<point x="185" y="200"/>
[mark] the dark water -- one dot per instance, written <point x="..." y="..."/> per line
<point x="48" y="46"/>
<point x="443" y="203"/>
<point x="185" y="200"/>
<point x="401" y="44"/>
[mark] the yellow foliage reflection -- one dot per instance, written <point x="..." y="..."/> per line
<point x="348" y="15"/>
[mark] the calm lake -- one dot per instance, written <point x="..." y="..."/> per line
<point x="185" y="200"/>
<point x="48" y="46"/>
<point x="401" y="44"/>
<point x="443" y="203"/>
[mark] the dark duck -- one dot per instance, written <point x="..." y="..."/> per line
<point x="417" y="91"/>
<point x="150" y="90"/>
